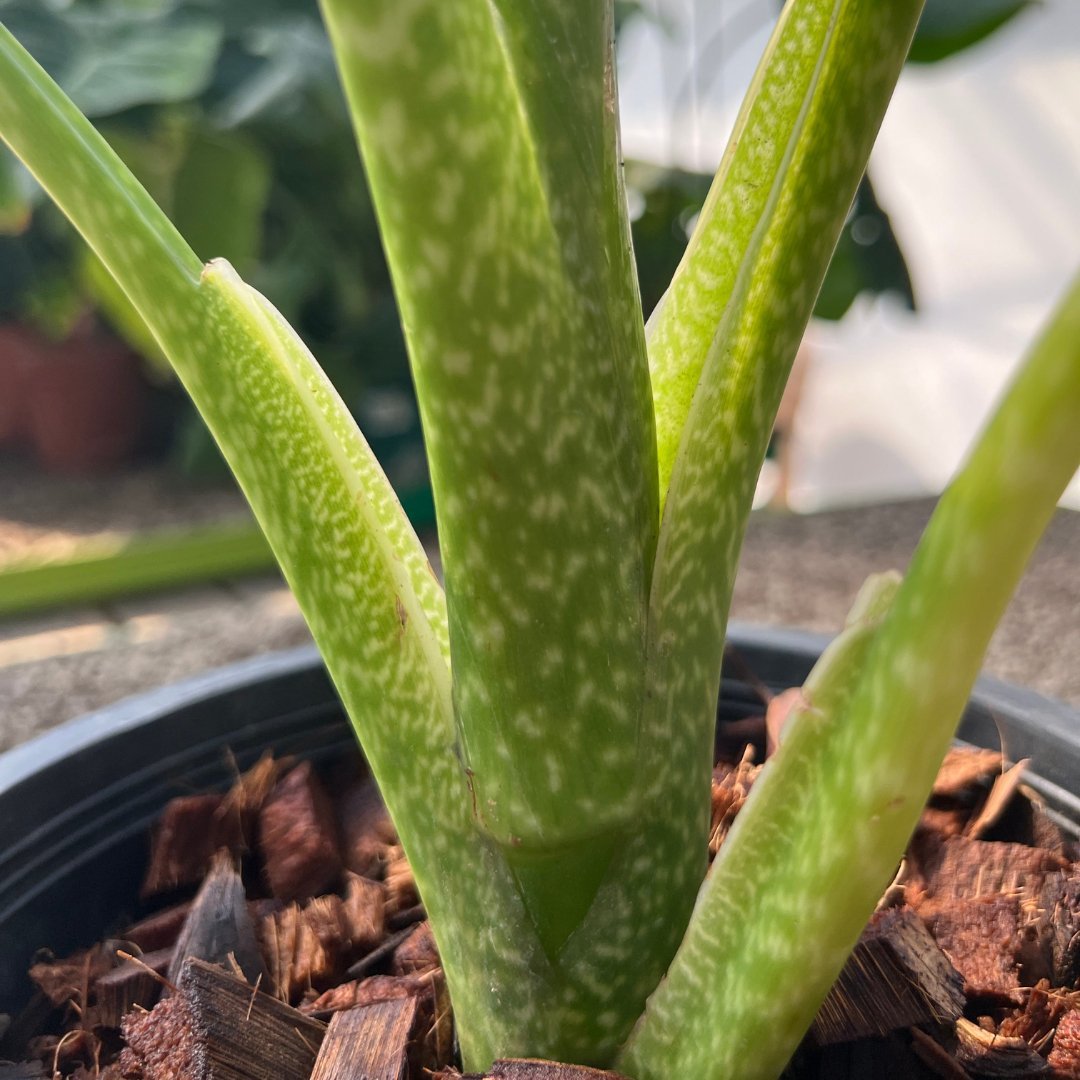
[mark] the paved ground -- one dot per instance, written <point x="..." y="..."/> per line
<point x="797" y="571"/>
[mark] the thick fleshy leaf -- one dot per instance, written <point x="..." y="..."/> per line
<point x="494" y="168"/>
<point x="826" y="824"/>
<point x="724" y="337"/>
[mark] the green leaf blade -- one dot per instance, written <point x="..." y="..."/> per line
<point x="724" y="338"/>
<point x="530" y="369"/>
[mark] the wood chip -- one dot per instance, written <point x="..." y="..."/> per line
<point x="218" y="927"/>
<point x="368" y="836"/>
<point x="730" y="787"/>
<point x="896" y="977"/>
<point x="219" y="1028"/>
<point x="1064" y="1056"/>
<point x="434" y="1041"/>
<point x="368" y="1043"/>
<point x="191" y="830"/>
<point x="999" y="799"/>
<point x="988" y="1054"/>
<point x="158" y="931"/>
<point x="131" y="984"/>
<point x="965" y="773"/>
<point x="298" y="837"/>
<point x="68" y="980"/>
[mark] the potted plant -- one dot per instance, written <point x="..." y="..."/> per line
<point x="592" y="478"/>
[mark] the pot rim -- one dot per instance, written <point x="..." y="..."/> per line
<point x="1058" y="722"/>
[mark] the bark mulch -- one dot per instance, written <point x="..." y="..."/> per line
<point x="288" y="942"/>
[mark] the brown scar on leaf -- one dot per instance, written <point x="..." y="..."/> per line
<point x="469" y="774"/>
<point x="402" y="614"/>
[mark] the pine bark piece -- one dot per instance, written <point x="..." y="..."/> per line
<point x="965" y="772"/>
<point x="160" y="930"/>
<point x="365" y="912"/>
<point x="896" y="977"/>
<point x="369" y="1043"/>
<point x="988" y="1054"/>
<point x="1064" y="1056"/>
<point x="959" y="868"/>
<point x="191" y="830"/>
<point x="298" y="837"/>
<point x="307" y="948"/>
<point x="219" y="926"/>
<point x="131" y="984"/>
<point x="69" y="979"/>
<point x="252" y="788"/>
<point x="981" y="937"/>
<point x="218" y="1028"/>
<point x="367" y="833"/>
<point x="730" y="788"/>
<point x="417" y="954"/>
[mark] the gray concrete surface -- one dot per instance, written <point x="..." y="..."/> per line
<point x="796" y="571"/>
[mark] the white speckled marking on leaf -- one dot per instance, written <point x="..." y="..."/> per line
<point x="489" y="136"/>
<point x="723" y="344"/>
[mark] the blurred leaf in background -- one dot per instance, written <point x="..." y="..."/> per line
<point x="950" y="26"/>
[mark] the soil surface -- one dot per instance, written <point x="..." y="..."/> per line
<point x="282" y="937"/>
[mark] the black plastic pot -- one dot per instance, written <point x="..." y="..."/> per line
<point x="76" y="804"/>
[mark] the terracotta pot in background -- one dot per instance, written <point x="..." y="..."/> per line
<point x="19" y="349"/>
<point x="85" y="401"/>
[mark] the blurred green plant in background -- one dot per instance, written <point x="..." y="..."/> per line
<point x="230" y="113"/>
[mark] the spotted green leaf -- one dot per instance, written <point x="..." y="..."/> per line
<point x="723" y="340"/>
<point x="488" y="132"/>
